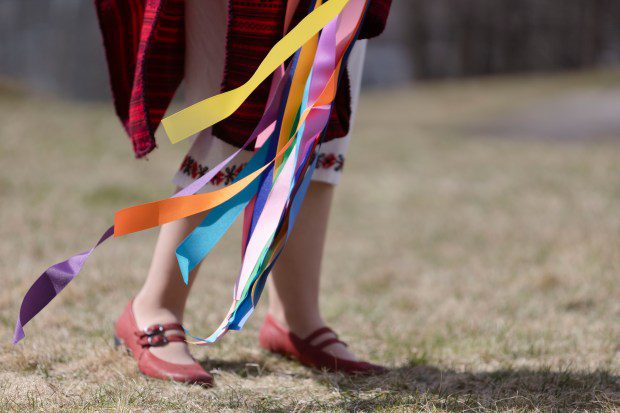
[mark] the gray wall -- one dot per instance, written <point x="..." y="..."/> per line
<point x="476" y="37"/>
<point x="53" y="46"/>
<point x="389" y="58"/>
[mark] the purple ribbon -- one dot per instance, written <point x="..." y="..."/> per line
<point x="50" y="284"/>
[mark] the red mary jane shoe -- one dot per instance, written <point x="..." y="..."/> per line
<point x="139" y="341"/>
<point x="275" y="338"/>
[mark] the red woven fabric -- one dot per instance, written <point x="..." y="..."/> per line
<point x="144" y="42"/>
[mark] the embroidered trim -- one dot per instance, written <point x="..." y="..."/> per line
<point x="330" y="161"/>
<point x="195" y="170"/>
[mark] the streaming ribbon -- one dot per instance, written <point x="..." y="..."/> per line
<point x="270" y="188"/>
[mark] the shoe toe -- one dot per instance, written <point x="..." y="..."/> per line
<point x="184" y="373"/>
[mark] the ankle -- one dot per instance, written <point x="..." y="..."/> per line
<point x="148" y="311"/>
<point x="301" y="324"/>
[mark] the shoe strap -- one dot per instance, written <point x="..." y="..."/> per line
<point x="159" y="340"/>
<point x="328" y="342"/>
<point x="159" y="329"/>
<point x="318" y="333"/>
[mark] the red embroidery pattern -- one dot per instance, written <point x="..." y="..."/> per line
<point x="330" y="161"/>
<point x="195" y="170"/>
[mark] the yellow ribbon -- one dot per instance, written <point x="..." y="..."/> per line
<point x="201" y="115"/>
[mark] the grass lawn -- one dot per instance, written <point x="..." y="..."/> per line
<point x="483" y="270"/>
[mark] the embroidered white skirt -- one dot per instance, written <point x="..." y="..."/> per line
<point x="204" y="66"/>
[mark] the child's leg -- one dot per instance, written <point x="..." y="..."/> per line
<point x="294" y="290"/>
<point x="164" y="293"/>
<point x="163" y="296"/>
<point x="294" y="285"/>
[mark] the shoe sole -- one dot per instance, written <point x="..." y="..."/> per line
<point x="120" y="343"/>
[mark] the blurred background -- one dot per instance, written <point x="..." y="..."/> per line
<point x="55" y="46"/>
<point x="478" y="214"/>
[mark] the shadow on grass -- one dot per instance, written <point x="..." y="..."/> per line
<point x="424" y="387"/>
<point x="429" y="386"/>
<point x="242" y="368"/>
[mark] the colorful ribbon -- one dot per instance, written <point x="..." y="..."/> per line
<point x="279" y="210"/>
<point x="272" y="185"/>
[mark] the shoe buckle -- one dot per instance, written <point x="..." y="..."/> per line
<point x="154" y="330"/>
<point x="157" y="340"/>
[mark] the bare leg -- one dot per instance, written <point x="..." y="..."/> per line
<point x="294" y="285"/>
<point x="163" y="296"/>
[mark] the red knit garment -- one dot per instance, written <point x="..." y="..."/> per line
<point x="144" y="42"/>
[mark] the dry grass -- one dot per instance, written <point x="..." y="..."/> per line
<point x="484" y="271"/>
